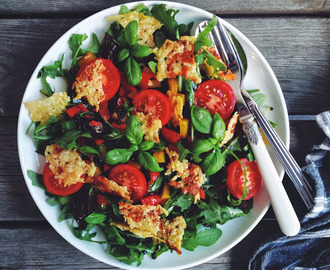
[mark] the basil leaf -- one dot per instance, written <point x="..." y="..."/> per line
<point x="96" y="218"/>
<point x="153" y="66"/>
<point x="130" y="32"/>
<point x="201" y="146"/>
<point x="123" y="9"/>
<point x="148" y="162"/>
<point x="117" y="156"/>
<point x="140" y="50"/>
<point x="146" y="145"/>
<point x="133" y="130"/>
<point x="89" y="151"/>
<point x="132" y="71"/>
<point x="213" y="162"/>
<point x="123" y="54"/>
<point x="201" y="119"/>
<point x="218" y="127"/>
<point x="205" y="237"/>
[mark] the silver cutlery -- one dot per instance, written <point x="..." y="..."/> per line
<point x="249" y="113"/>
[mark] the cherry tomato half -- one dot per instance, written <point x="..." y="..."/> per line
<point x="155" y="102"/>
<point x="130" y="177"/>
<point x="53" y="186"/>
<point x="217" y="97"/>
<point x="110" y="77"/>
<point x="236" y="179"/>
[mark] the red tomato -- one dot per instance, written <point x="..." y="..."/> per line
<point x="110" y="77"/>
<point x="236" y="179"/>
<point x="151" y="200"/>
<point x="217" y="97"/>
<point x="130" y="177"/>
<point x="155" y="102"/>
<point x="53" y="186"/>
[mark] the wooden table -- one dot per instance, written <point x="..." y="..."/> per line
<point x="294" y="37"/>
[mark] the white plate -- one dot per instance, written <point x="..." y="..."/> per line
<point x="259" y="76"/>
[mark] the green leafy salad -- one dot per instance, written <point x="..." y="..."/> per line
<point x="145" y="144"/>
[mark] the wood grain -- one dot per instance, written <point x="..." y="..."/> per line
<point x="293" y="36"/>
<point x="236" y="7"/>
<point x="297" y="49"/>
<point x="38" y="246"/>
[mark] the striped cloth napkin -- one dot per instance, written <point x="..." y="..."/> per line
<point x="310" y="249"/>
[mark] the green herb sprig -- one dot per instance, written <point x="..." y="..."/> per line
<point x="134" y="135"/>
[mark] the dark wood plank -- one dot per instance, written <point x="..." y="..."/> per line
<point x="17" y="203"/>
<point x="85" y="7"/>
<point x="40" y="247"/>
<point x="296" y="48"/>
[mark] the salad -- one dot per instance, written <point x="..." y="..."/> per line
<point x="145" y="143"/>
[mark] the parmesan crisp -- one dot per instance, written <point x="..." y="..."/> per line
<point x="41" y="110"/>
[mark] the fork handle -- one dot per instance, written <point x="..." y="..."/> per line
<point x="283" y="209"/>
<point x="288" y="162"/>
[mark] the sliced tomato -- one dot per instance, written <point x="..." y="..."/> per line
<point x="236" y="179"/>
<point x="53" y="186"/>
<point x="153" y="199"/>
<point x="130" y="177"/>
<point x="217" y="97"/>
<point x="110" y="77"/>
<point x="155" y="102"/>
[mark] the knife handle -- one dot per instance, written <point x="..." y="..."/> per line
<point x="283" y="209"/>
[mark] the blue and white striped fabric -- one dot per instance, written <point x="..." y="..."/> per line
<point x="310" y="249"/>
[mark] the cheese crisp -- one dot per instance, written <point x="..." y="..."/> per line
<point x="41" y="110"/>
<point x="147" y="25"/>
<point x="67" y="165"/>
<point x="177" y="58"/>
<point x="89" y="84"/>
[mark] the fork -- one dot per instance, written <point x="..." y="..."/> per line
<point x="281" y="204"/>
<point x="231" y="58"/>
